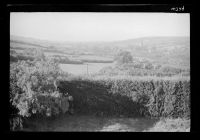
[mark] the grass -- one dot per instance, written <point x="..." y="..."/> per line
<point x="171" y="125"/>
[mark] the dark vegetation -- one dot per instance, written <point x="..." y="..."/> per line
<point x="96" y="61"/>
<point x="15" y="58"/>
<point x="65" y="60"/>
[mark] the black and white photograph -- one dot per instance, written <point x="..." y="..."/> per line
<point x="99" y="72"/>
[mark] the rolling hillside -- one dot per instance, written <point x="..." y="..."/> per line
<point x="173" y="50"/>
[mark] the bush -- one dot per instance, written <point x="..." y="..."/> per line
<point x="170" y="70"/>
<point x="33" y="89"/>
<point x="65" y="60"/>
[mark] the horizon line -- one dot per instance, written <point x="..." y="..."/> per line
<point x="97" y="41"/>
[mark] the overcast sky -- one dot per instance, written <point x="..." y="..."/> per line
<point x="89" y="26"/>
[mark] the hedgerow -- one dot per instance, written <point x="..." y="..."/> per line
<point x="161" y="98"/>
<point x="148" y="98"/>
<point x="146" y="69"/>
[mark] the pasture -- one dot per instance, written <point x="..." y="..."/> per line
<point x="81" y="69"/>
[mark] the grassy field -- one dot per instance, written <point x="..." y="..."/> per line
<point x="82" y="68"/>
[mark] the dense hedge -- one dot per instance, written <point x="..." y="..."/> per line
<point x="136" y="70"/>
<point x="96" y="61"/>
<point x="162" y="98"/>
<point x="15" y="58"/>
<point x="152" y="98"/>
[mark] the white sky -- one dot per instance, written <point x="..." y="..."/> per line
<point x="88" y="26"/>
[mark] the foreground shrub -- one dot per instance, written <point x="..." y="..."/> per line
<point x="33" y="89"/>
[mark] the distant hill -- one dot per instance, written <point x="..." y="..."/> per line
<point x="162" y="49"/>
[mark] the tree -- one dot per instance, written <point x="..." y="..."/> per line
<point x="124" y="57"/>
